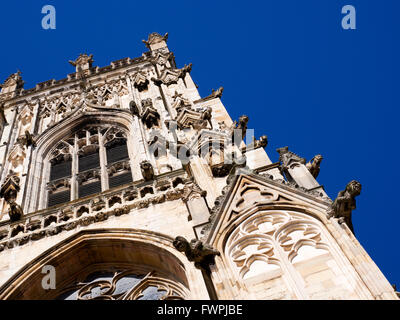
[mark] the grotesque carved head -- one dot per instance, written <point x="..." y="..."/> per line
<point x="354" y="188"/>
<point x="243" y="120"/>
<point x="318" y="158"/>
<point x="263" y="141"/>
<point x="181" y="244"/>
<point x="145" y="165"/>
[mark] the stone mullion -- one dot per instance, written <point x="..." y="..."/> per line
<point x="293" y="278"/>
<point x="103" y="163"/>
<point x="74" y="170"/>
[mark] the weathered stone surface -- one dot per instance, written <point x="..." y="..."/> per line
<point x="106" y="168"/>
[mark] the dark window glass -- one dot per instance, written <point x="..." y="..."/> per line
<point x="89" y="162"/>
<point x="119" y="180"/>
<point x="60" y="170"/>
<point x="117" y="153"/>
<point x="90" y="188"/>
<point x="58" y="198"/>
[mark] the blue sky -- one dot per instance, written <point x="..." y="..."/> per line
<point x="287" y="64"/>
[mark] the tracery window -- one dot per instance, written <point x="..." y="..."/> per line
<point x="91" y="160"/>
<point x="291" y="252"/>
<point x="123" y="285"/>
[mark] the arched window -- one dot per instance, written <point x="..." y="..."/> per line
<point x="113" y="264"/>
<point x="131" y="284"/>
<point x="92" y="160"/>
<point x="291" y="254"/>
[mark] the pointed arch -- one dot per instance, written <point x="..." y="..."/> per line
<point x="100" y="250"/>
<point x="35" y="187"/>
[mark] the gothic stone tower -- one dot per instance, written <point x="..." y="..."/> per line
<point x="122" y="182"/>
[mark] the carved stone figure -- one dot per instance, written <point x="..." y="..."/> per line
<point x="196" y="251"/>
<point x="27" y="139"/>
<point x="9" y="191"/>
<point x="240" y="125"/>
<point x="289" y="159"/>
<point x="82" y="63"/>
<point x="217" y="93"/>
<point x="15" y="212"/>
<point x="314" y="164"/>
<point x="155" y="38"/>
<point x="134" y="108"/>
<point x="262" y="142"/>
<point x="345" y="202"/>
<point x="147" y="170"/>
<point x="14" y="81"/>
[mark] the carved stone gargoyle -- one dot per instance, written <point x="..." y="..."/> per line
<point x="27" y="139"/>
<point x="134" y="108"/>
<point x="200" y="253"/>
<point x="345" y="202"/>
<point x="313" y="165"/>
<point x="147" y="170"/>
<point x="242" y="126"/>
<point x="262" y="142"/>
<point x="9" y="191"/>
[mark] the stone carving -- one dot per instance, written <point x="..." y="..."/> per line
<point x="140" y="81"/>
<point x="155" y="38"/>
<point x="241" y="126"/>
<point x="171" y="76"/>
<point x="12" y="83"/>
<point x="134" y="108"/>
<point x="217" y="93"/>
<point x="149" y="115"/>
<point x="262" y="142"/>
<point x="345" y="202"/>
<point x="192" y="191"/>
<point x="82" y="63"/>
<point x="9" y="191"/>
<point x="27" y="139"/>
<point x="313" y="165"/>
<point x="289" y="159"/>
<point x="147" y="170"/>
<point x="196" y="251"/>
<point x="180" y="102"/>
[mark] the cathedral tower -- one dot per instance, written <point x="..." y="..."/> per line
<point x="122" y="182"/>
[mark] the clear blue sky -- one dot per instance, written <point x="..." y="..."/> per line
<point x="288" y="65"/>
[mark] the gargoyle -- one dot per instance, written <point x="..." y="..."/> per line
<point x="15" y="212"/>
<point x="27" y="139"/>
<point x="134" y="108"/>
<point x="345" y="202"/>
<point x="200" y="253"/>
<point x="241" y="125"/>
<point x="147" y="170"/>
<point x="217" y="93"/>
<point x="313" y="165"/>
<point x="262" y="142"/>
<point x="206" y="116"/>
